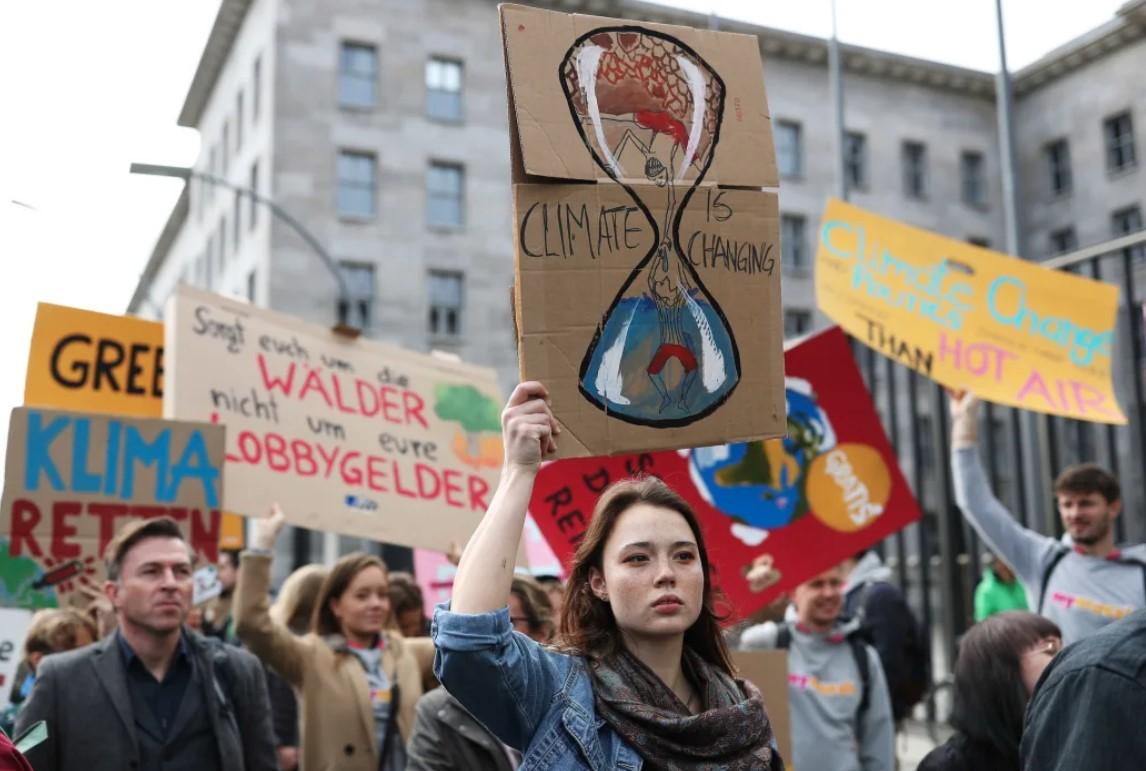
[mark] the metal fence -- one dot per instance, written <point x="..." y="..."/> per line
<point x="938" y="560"/>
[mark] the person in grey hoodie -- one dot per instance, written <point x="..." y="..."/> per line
<point x="1082" y="586"/>
<point x="841" y="719"/>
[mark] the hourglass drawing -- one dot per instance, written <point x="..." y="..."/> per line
<point x="649" y="110"/>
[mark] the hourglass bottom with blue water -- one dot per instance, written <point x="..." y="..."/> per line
<point x="661" y="361"/>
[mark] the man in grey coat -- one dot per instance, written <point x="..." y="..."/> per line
<point x="153" y="694"/>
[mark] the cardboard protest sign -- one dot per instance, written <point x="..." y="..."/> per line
<point x="96" y="362"/>
<point x="768" y="671"/>
<point x="647" y="281"/>
<point x="1008" y="330"/>
<point x="349" y="435"/>
<point x="72" y="480"/>
<point x="84" y="360"/>
<point x="829" y="489"/>
<point x="207" y="585"/>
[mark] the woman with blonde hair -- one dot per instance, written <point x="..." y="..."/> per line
<point x="642" y="677"/>
<point x="357" y="683"/>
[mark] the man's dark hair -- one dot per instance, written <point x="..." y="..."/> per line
<point x="1088" y="478"/>
<point x="232" y="555"/>
<point x="134" y="532"/>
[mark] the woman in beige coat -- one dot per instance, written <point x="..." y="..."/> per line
<point x="357" y="681"/>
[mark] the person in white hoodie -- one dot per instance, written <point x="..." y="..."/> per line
<point x="840" y="707"/>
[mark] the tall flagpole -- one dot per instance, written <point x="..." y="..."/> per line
<point x="1006" y="142"/>
<point x="835" y="75"/>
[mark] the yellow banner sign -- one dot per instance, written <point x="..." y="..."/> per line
<point x="82" y="360"/>
<point x="1008" y="330"/>
<point x="97" y="362"/>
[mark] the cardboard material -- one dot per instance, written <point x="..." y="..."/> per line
<point x="647" y="280"/>
<point x="83" y="360"/>
<point x="96" y="362"/>
<point x="1008" y="330"/>
<point x="829" y="489"/>
<point x="72" y="480"/>
<point x="768" y="671"/>
<point x="348" y="435"/>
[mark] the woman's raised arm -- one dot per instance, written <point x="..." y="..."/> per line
<point x="528" y="432"/>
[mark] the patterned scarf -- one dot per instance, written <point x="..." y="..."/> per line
<point x="732" y="732"/>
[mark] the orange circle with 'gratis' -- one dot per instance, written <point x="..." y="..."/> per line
<point x="848" y="487"/>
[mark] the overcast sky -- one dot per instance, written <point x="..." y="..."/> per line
<point x="88" y="87"/>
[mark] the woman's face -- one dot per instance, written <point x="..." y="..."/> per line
<point x="1035" y="659"/>
<point x="651" y="574"/>
<point x="362" y="610"/>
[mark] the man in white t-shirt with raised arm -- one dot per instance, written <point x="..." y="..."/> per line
<point x="1081" y="587"/>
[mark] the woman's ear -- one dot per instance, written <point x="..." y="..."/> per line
<point x="597" y="585"/>
<point x="332" y="603"/>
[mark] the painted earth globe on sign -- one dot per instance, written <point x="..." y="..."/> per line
<point x="764" y="484"/>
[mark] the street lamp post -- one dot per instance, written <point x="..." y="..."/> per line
<point x="836" y="79"/>
<point x="186" y="174"/>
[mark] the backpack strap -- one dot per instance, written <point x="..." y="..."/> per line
<point x="1061" y="552"/>
<point x="859" y="652"/>
<point x="783" y="637"/>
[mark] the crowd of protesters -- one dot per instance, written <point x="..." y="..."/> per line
<point x="625" y="665"/>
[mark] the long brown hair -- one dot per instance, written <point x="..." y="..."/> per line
<point x="588" y="627"/>
<point x="344" y="571"/>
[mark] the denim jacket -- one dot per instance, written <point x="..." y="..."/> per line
<point x="534" y="699"/>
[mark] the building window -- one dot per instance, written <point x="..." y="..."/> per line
<point x="226" y="148"/>
<point x="256" y="88"/>
<point x="356" y="184"/>
<point x="252" y="215"/>
<point x="974" y="178"/>
<point x="208" y="262"/>
<point x="1063" y="240"/>
<point x="855" y="161"/>
<point x="358" y="75"/>
<point x="789" y="150"/>
<point x="445" y="195"/>
<point x="212" y="169"/>
<point x="915" y="169"/>
<point x="1119" y="133"/>
<point x="793" y="241"/>
<point x="221" y="245"/>
<point x="359" y="277"/>
<point x="444" y="89"/>
<point x="239" y="121"/>
<point x="1124" y="222"/>
<point x="980" y="241"/>
<point x="1058" y="164"/>
<point x="237" y="217"/>
<point x="251" y="287"/>
<point x="796" y="322"/>
<point x="445" y="303"/>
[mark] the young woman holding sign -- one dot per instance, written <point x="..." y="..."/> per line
<point x="641" y="677"/>
<point x="357" y="681"/>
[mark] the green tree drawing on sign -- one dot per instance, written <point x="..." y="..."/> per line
<point x="17" y="577"/>
<point x="469" y="407"/>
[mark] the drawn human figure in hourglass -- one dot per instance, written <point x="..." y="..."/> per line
<point x="648" y="109"/>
